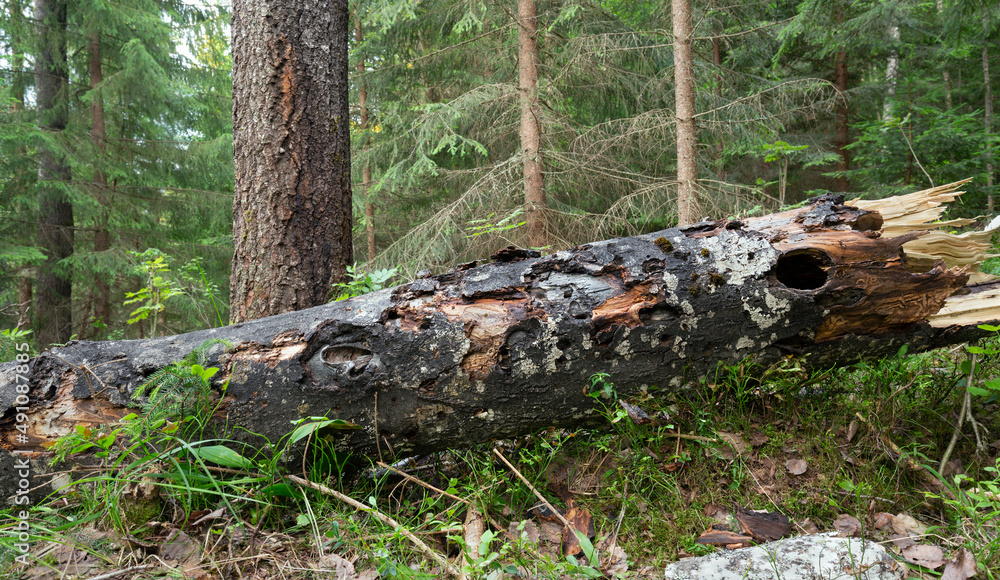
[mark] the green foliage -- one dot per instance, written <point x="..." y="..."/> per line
<point x="11" y="343"/>
<point x="991" y="386"/>
<point x="155" y="292"/>
<point x="361" y="283"/>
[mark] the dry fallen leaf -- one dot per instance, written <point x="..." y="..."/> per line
<point x="808" y="526"/>
<point x="847" y="526"/>
<point x="852" y="430"/>
<point x="925" y="555"/>
<point x="340" y="568"/>
<point x="582" y="522"/>
<point x="902" y="541"/>
<point x="796" y="466"/>
<point x="883" y="520"/>
<point x="961" y="567"/>
<point x="738" y="443"/>
<point x="906" y="524"/>
<point x="614" y="560"/>
<point x="530" y="530"/>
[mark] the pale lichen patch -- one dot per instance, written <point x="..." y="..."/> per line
<point x="774" y="313"/>
<point x="739" y="257"/>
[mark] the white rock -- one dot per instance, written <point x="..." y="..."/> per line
<point x="817" y="556"/>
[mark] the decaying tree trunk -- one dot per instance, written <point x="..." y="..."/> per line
<point x="505" y="348"/>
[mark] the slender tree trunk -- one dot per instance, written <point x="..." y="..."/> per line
<point x="24" y="299"/>
<point x="945" y="73"/>
<point x="291" y="130"/>
<point x="53" y="294"/>
<point x="891" y="71"/>
<point x="843" y="131"/>
<point x="366" y="168"/>
<point x="102" y="238"/>
<point x="720" y="147"/>
<point x="687" y="139"/>
<point x="988" y="116"/>
<point x="26" y="272"/>
<point x="531" y="128"/>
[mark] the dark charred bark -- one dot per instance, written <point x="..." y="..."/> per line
<point x="292" y="203"/>
<point x="506" y="348"/>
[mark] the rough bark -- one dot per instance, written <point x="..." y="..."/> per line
<point x="988" y="115"/>
<point x="842" y="139"/>
<point x="102" y="236"/>
<point x="506" y="348"/>
<point x="366" y="169"/>
<point x="292" y="203"/>
<point x="687" y="138"/>
<point x="53" y="288"/>
<point x="891" y="71"/>
<point x="531" y="128"/>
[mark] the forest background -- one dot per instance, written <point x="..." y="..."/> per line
<point x="792" y="99"/>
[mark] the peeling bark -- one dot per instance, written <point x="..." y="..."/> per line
<point x="506" y="348"/>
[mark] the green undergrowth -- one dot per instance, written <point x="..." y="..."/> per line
<point x="871" y="435"/>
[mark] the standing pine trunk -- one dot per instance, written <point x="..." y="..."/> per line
<point x="531" y="129"/>
<point x="843" y="131"/>
<point x="366" y="168"/>
<point x="54" y="287"/>
<point x="25" y="271"/>
<point x="891" y="71"/>
<point x="988" y="115"/>
<point x="102" y="238"/>
<point x="291" y="132"/>
<point x="687" y="140"/>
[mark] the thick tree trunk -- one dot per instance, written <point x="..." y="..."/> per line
<point x="531" y="127"/>
<point x="687" y="137"/>
<point x="53" y="290"/>
<point x="292" y="204"/>
<point x="506" y="348"/>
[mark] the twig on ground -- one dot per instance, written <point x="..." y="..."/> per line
<point x="966" y="401"/>
<point x="424" y="548"/>
<point x="119" y="572"/>
<point x="535" y="491"/>
<point x="421" y="482"/>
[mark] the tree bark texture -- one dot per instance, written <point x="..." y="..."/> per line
<point x="687" y="136"/>
<point x="366" y="169"/>
<point x="842" y="139"/>
<point x="102" y="236"/>
<point x="53" y="289"/>
<point x="531" y="127"/>
<point x="988" y="114"/>
<point x="506" y="348"/>
<point x="292" y="204"/>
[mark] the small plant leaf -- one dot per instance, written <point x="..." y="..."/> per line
<point x="223" y="456"/>
<point x="304" y="430"/>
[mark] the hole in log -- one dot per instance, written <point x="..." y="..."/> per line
<point x="803" y="269"/>
<point x="342" y="354"/>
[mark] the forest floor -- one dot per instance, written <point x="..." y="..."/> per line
<point x="854" y="450"/>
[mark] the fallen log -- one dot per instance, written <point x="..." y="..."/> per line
<point x="505" y="348"/>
